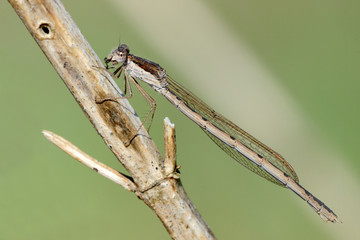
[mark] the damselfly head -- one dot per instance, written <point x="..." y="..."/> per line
<point x="119" y="55"/>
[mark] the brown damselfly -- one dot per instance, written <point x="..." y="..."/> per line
<point x="237" y="143"/>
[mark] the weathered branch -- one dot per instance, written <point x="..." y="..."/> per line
<point x="90" y="162"/>
<point x="170" y="146"/>
<point x="73" y="59"/>
<point x="169" y="163"/>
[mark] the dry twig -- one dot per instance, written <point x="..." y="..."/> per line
<point x="72" y="57"/>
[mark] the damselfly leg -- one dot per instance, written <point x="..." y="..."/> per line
<point x="127" y="85"/>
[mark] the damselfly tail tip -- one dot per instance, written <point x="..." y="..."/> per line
<point x="331" y="217"/>
<point x="337" y="220"/>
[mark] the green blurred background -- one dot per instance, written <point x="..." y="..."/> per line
<point x="286" y="71"/>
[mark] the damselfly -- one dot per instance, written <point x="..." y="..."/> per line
<point x="237" y="143"/>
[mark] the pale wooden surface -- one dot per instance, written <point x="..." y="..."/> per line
<point x="72" y="57"/>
